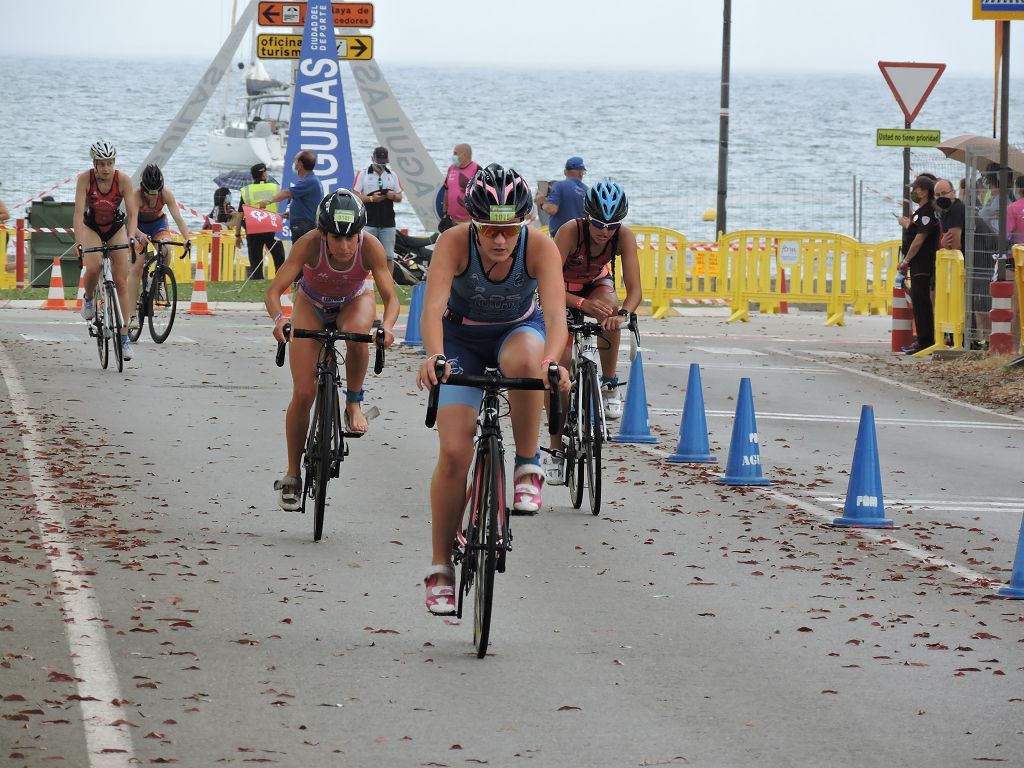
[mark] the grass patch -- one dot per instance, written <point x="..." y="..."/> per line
<point x="235" y="291"/>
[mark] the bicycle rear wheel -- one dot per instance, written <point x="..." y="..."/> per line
<point x="485" y="552"/>
<point x="593" y="436"/>
<point x="163" y="303"/>
<point x="114" y="325"/>
<point x="324" y="441"/>
<point x="574" y="449"/>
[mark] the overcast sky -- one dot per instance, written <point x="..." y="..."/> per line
<point x="768" y="35"/>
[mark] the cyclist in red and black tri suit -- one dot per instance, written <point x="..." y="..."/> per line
<point x="100" y="220"/>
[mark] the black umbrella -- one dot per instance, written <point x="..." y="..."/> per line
<point x="237" y="179"/>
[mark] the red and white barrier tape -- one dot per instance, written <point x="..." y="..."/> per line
<point x="44" y="192"/>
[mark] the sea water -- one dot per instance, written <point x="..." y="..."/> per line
<point x="796" y="141"/>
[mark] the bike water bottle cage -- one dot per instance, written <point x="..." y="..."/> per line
<point x="354" y="397"/>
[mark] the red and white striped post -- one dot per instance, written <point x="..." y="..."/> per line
<point x="1000" y="341"/>
<point x="902" y="319"/>
<point x="19" y="252"/>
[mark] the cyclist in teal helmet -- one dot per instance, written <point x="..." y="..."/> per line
<point x="589" y="247"/>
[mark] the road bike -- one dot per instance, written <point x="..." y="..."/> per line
<point x="325" y="442"/>
<point x="586" y="429"/>
<point x="158" y="299"/>
<point x="108" y="319"/>
<point x="481" y="547"/>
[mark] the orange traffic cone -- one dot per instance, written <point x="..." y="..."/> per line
<point x="286" y="301"/>
<point x="80" y="298"/>
<point x="199" y="305"/>
<point x="55" y="297"/>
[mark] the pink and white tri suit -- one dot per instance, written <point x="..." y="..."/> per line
<point x="329" y="289"/>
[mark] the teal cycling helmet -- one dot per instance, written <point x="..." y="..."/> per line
<point x="605" y="201"/>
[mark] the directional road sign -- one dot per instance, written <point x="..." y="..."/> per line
<point x="294" y="14"/>
<point x="907" y="137"/>
<point x="911" y="83"/>
<point x="275" y="46"/>
<point x="998" y="10"/>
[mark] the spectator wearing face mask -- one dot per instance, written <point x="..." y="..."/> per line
<point x="379" y="189"/>
<point x="923" y="233"/>
<point x="462" y="169"/>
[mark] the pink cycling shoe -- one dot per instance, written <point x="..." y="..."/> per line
<point x="440" y="597"/>
<point x="527" y="481"/>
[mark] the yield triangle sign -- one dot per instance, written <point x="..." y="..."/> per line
<point x="911" y="83"/>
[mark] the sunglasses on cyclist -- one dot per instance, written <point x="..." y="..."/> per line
<point x="611" y="227"/>
<point x="493" y="230"/>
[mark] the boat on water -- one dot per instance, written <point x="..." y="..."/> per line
<point x="259" y="134"/>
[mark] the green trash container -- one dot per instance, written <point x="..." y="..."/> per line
<point x="43" y="246"/>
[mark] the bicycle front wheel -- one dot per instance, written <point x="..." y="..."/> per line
<point x="574" y="450"/>
<point x="163" y="304"/>
<point x="324" y="426"/>
<point x="114" y="325"/>
<point x="489" y="517"/>
<point x="593" y="436"/>
<point x="100" y="329"/>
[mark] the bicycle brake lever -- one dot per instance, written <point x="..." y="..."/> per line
<point x="281" y="346"/>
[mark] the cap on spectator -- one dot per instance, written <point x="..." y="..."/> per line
<point x="575" y="164"/>
<point x="257" y="169"/>
<point x="380" y="155"/>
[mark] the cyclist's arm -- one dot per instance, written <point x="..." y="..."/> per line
<point x="443" y="268"/>
<point x="565" y="240"/>
<point x="630" y="262"/>
<point x="81" y="189"/>
<point x="377" y="262"/>
<point x="129" y="204"/>
<point x="286" y="275"/>
<point x="543" y="262"/>
<point x="172" y="206"/>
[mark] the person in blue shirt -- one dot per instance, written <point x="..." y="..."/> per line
<point x="564" y="201"/>
<point x="305" y="195"/>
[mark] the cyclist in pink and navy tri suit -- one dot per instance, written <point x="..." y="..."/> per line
<point x="480" y="311"/>
<point x="332" y="263"/>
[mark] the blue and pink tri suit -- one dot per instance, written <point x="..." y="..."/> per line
<point x="483" y="314"/>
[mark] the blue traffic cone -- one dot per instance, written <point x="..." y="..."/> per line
<point x="634" y="428"/>
<point x="864" y="506"/>
<point x="693" y="445"/>
<point x="413" y="337"/>
<point x="744" y="466"/>
<point x="1016" y="586"/>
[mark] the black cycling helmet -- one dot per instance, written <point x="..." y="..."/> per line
<point x="605" y="201"/>
<point x="341" y="213"/>
<point x="152" y="179"/>
<point x="498" y="194"/>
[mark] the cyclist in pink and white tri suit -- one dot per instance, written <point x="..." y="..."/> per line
<point x="332" y="264"/>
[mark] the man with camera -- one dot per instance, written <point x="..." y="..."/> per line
<point x="379" y="189"/>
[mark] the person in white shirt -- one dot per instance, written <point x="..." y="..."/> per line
<point x="379" y="189"/>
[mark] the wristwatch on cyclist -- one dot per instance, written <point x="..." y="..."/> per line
<point x="623" y="313"/>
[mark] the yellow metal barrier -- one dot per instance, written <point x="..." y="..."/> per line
<point x="815" y="261"/>
<point x="819" y="267"/>
<point x="949" y="300"/>
<point x="8" y="279"/>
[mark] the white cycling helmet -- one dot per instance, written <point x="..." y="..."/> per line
<point x="102" y="150"/>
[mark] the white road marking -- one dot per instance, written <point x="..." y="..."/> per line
<point x="879" y="536"/>
<point x="180" y="340"/>
<point x="908" y="387"/>
<point x="87" y="641"/>
<point x="976" y="506"/>
<point x="49" y="337"/>
<point x="828" y="419"/>
<point x="729" y="351"/>
<point x="761" y="369"/>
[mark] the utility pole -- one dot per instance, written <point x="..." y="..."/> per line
<point x="723" y="122"/>
<point x="1004" y="160"/>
